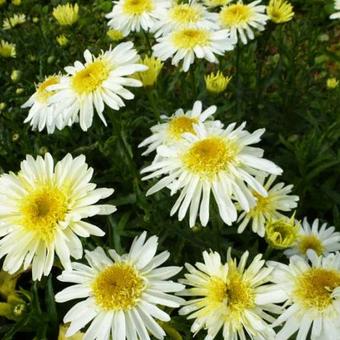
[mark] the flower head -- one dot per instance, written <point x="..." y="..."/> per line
<point x="42" y="212"/>
<point x="185" y="15"/>
<point x="268" y="208"/>
<point x="280" y="11"/>
<point x="149" y="76"/>
<point x="100" y="80"/>
<point x="189" y="43"/>
<point x="322" y="240"/>
<point x="242" y="18"/>
<point x="311" y="292"/>
<point x="229" y="297"/>
<point x="66" y="15"/>
<point x="7" y="50"/>
<point x="15" y="20"/>
<point x="214" y="160"/>
<point x="43" y="114"/>
<point x="282" y="233"/>
<point x="172" y="129"/>
<point x="216" y="83"/>
<point x="136" y="15"/>
<point x="121" y="294"/>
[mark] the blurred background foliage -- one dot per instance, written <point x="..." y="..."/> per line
<point x="279" y="82"/>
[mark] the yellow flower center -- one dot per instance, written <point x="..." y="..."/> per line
<point x="209" y="156"/>
<point x="190" y="38"/>
<point x="179" y="125"/>
<point x="313" y="289"/>
<point x="118" y="287"/>
<point x="236" y="293"/>
<point x="262" y="205"/>
<point x="310" y="242"/>
<point x="91" y="77"/>
<point x="235" y="15"/>
<point x="184" y="14"/>
<point x="42" y="209"/>
<point x="137" y="7"/>
<point x="42" y="93"/>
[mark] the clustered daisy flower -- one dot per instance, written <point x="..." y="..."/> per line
<point x="135" y="15"/>
<point x="43" y="114"/>
<point x="241" y="19"/>
<point x="213" y="160"/>
<point x="230" y="297"/>
<point x="42" y="209"/>
<point x="171" y="130"/>
<point x="267" y="208"/>
<point x="122" y="295"/>
<point x="311" y="293"/>
<point x="86" y="88"/>
<point x="322" y="241"/>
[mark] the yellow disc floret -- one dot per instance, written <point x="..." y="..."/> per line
<point x="235" y="15"/>
<point x="91" y="77"/>
<point x="137" y="7"/>
<point x="118" y="287"/>
<point x="185" y="14"/>
<point x="179" y="125"/>
<point x="263" y="205"/>
<point x="42" y="93"/>
<point x="209" y="156"/>
<point x="313" y="289"/>
<point x="42" y="209"/>
<point x="189" y="38"/>
<point x="306" y="242"/>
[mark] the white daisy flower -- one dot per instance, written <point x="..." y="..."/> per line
<point x="323" y="241"/>
<point x="218" y="161"/>
<point x="41" y="113"/>
<point x="241" y="19"/>
<point x="42" y="210"/>
<point x="268" y="207"/>
<point x="189" y="43"/>
<point x="336" y="15"/>
<point x="230" y="297"/>
<point x="185" y="15"/>
<point x="121" y="294"/>
<point x="312" y="294"/>
<point x="99" y="81"/>
<point x="171" y="131"/>
<point x="136" y="15"/>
